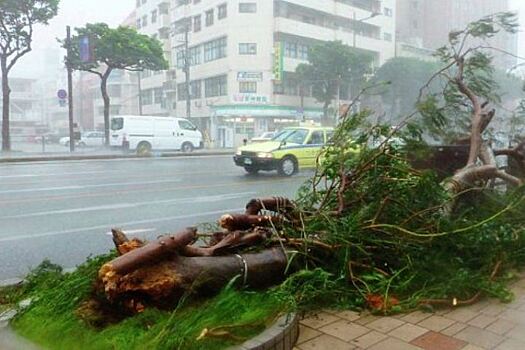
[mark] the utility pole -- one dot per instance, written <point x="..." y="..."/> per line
<point x="187" y="65"/>
<point x="70" y="90"/>
<point x="139" y="76"/>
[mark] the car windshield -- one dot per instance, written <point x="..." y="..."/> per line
<point x="117" y="124"/>
<point x="291" y="136"/>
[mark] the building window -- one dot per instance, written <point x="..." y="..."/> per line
<point x="144" y="21"/>
<point x="144" y="1"/>
<point x="388" y="12"/>
<point x="196" y="89"/>
<point x="195" y="55"/>
<point x="138" y="23"/>
<point x="290" y="49"/>
<point x="222" y="11"/>
<point x="216" y="86"/>
<point x="158" y="95"/>
<point x="164" y="8"/>
<point x="248" y="87"/>
<point x="196" y="1"/>
<point x="138" y="3"/>
<point x="302" y="51"/>
<point x="197" y="23"/>
<point x="154" y="14"/>
<point x="181" y="91"/>
<point x="387" y="36"/>
<point x="247" y="7"/>
<point x="247" y="49"/>
<point x="209" y="17"/>
<point x="147" y="98"/>
<point x="215" y="49"/>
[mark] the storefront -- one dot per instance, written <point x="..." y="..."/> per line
<point x="232" y="124"/>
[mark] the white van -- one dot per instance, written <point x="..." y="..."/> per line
<point x="144" y="134"/>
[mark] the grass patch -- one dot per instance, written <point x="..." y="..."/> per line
<point x="51" y="320"/>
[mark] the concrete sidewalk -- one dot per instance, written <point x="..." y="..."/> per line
<point x="489" y="324"/>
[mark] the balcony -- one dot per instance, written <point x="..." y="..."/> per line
<point x="292" y="27"/>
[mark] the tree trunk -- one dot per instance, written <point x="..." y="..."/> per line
<point x="166" y="281"/>
<point x="6" y="91"/>
<point x="326" y="118"/>
<point x="107" y="103"/>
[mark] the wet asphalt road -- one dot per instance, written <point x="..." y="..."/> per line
<point x="64" y="210"/>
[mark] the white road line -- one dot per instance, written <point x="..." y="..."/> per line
<point x="66" y="188"/>
<point x="135" y="232"/>
<point x="121" y="224"/>
<point x="201" y="199"/>
<point x="59" y="174"/>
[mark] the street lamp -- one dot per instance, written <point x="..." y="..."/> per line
<point x="355" y="20"/>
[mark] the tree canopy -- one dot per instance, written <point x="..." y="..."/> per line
<point x="17" y="24"/>
<point x="332" y="65"/>
<point x="115" y="48"/>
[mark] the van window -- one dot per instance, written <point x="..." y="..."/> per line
<point x="186" y="125"/>
<point x="117" y="124"/>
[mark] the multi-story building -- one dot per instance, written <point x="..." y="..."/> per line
<point x="243" y="55"/>
<point x="157" y="89"/>
<point x="427" y="24"/>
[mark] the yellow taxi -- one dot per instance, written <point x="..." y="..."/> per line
<point x="288" y="151"/>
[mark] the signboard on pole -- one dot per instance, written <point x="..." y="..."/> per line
<point x="278" y="64"/>
<point x="62" y="97"/>
<point x="86" y="49"/>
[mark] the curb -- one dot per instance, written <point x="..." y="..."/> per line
<point x="109" y="157"/>
<point x="282" y="335"/>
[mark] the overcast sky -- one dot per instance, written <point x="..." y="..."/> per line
<point x="78" y="12"/>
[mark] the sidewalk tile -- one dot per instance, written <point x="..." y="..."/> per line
<point x="511" y="344"/>
<point x="385" y="324"/>
<point x="326" y="342"/>
<point x="461" y="314"/>
<point x="416" y="316"/>
<point x="482" y="321"/>
<point x="369" y="339"/>
<point x="513" y="315"/>
<point x="344" y="330"/>
<point x="393" y="344"/>
<point x="306" y="333"/>
<point x="349" y="315"/>
<point x="364" y="320"/>
<point x="408" y="332"/>
<point x="437" y="341"/>
<point x="472" y="347"/>
<point x="480" y="337"/>
<point x="501" y="326"/>
<point x="319" y="320"/>
<point x="436" y="323"/>
<point x="454" y="329"/>
<point x="517" y="333"/>
<point x="494" y="309"/>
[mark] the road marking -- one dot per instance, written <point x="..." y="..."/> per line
<point x="76" y="161"/>
<point x="135" y="232"/>
<point x="59" y="174"/>
<point x="66" y="188"/>
<point x="148" y="190"/>
<point x="201" y="199"/>
<point x="121" y="224"/>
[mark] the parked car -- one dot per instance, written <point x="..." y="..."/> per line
<point x="143" y="134"/>
<point x="290" y="150"/>
<point x="49" y="138"/>
<point x="266" y="136"/>
<point x="87" y="139"/>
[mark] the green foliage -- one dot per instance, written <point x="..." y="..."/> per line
<point x="391" y="241"/>
<point x="407" y="76"/>
<point x="467" y="58"/>
<point x="51" y="319"/>
<point x="118" y="48"/>
<point x="332" y="63"/>
<point x="18" y="21"/>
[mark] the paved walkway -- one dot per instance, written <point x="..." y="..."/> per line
<point x="488" y="324"/>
